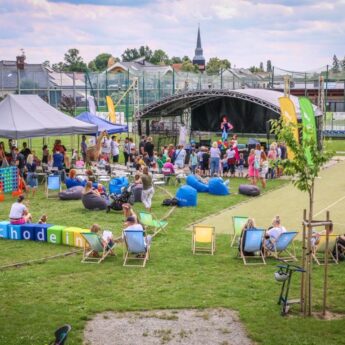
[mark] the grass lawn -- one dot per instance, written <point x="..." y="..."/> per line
<point x="38" y="298"/>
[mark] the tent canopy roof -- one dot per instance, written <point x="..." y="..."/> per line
<point x="103" y="125"/>
<point x="28" y="116"/>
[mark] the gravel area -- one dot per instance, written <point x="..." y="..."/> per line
<point x="173" y="327"/>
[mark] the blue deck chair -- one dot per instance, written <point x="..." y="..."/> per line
<point x="238" y="223"/>
<point x="251" y="242"/>
<point x="61" y="335"/>
<point x="281" y="245"/>
<point x="53" y="183"/>
<point x="135" y="248"/>
<point x="93" y="244"/>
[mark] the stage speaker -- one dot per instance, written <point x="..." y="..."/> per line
<point x="139" y="128"/>
<point x="147" y="122"/>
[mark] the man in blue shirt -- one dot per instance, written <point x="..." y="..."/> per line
<point x="58" y="160"/>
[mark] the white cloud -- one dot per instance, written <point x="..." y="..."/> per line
<point x="293" y="34"/>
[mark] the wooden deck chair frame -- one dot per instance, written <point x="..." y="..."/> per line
<point x="259" y="247"/>
<point x="96" y="246"/>
<point x="290" y="255"/>
<point x="317" y="249"/>
<point x="203" y="238"/>
<point x="136" y="256"/>
<point x="47" y="185"/>
<point x="160" y="225"/>
<point x="237" y="221"/>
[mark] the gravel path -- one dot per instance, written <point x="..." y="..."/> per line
<point x="172" y="327"/>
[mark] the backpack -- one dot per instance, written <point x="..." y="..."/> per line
<point x="170" y="202"/>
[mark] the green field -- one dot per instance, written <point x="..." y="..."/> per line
<point x="37" y="298"/>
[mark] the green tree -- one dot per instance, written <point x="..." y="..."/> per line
<point x="186" y="58"/>
<point x="335" y="64"/>
<point x="187" y="66"/>
<point x="254" y="69"/>
<point x="215" y="65"/>
<point x="160" y="57"/>
<point x="343" y="64"/>
<point x="261" y="66"/>
<point x="100" y="62"/>
<point x="58" y="67"/>
<point x="303" y="173"/>
<point x="268" y="66"/>
<point x="74" y="62"/>
<point x="175" y="59"/>
<point x="133" y="53"/>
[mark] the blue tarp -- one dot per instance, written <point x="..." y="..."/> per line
<point x="103" y="125"/>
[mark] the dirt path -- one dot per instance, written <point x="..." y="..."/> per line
<point x="172" y="327"/>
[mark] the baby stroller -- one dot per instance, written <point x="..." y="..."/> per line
<point x="118" y="200"/>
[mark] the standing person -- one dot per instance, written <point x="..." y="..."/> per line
<point x="19" y="161"/>
<point x="25" y="150"/>
<point x="106" y="146"/>
<point x="45" y="154"/>
<point x="180" y="156"/>
<point x="193" y="163"/>
<point x="83" y="148"/>
<point x="251" y="171"/>
<point x="263" y="169"/>
<point x="231" y="155"/>
<point x="58" y="160"/>
<point x="241" y="165"/>
<point x="126" y="150"/>
<point x="205" y="163"/>
<point x="142" y="144"/>
<point x="2" y="153"/>
<point x="31" y="179"/>
<point x="215" y="158"/>
<point x="234" y="144"/>
<point x="225" y="126"/>
<point x="149" y="148"/>
<point x="272" y="157"/>
<point x="148" y="190"/>
<point x="115" y="149"/>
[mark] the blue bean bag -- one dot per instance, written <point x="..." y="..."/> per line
<point x="196" y="184"/>
<point x="216" y="186"/>
<point x="116" y="184"/>
<point x="187" y="196"/>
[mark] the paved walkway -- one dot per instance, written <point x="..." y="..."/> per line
<point x="288" y="202"/>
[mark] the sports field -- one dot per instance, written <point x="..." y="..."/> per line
<point x="288" y="202"/>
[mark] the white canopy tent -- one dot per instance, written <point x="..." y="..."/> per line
<point x="29" y="116"/>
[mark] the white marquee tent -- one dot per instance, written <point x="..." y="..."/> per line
<point x="28" y="116"/>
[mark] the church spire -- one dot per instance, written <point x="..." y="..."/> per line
<point x="199" y="55"/>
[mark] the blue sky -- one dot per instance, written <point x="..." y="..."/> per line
<point x="294" y="34"/>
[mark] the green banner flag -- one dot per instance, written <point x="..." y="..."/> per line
<point x="309" y="124"/>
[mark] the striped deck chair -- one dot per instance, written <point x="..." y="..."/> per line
<point x="135" y="248"/>
<point x="238" y="223"/>
<point x="203" y="235"/>
<point x="281" y="246"/>
<point x="151" y="222"/>
<point x="251" y="242"/>
<point x="94" y="244"/>
<point x="319" y="250"/>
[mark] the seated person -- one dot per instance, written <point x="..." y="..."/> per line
<point x="168" y="169"/>
<point x="129" y="212"/>
<point x="250" y="224"/>
<point x="73" y="180"/>
<point x="199" y="177"/>
<point x="315" y="237"/>
<point x="79" y="163"/>
<point x="108" y="243"/>
<point x="19" y="214"/>
<point x="273" y="233"/>
<point x="132" y="225"/>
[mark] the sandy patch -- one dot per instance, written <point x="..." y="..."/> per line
<point x="173" y="327"/>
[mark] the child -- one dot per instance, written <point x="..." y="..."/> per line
<point x="240" y="165"/>
<point x="225" y="167"/>
<point x="107" y="243"/>
<point x="193" y="161"/>
<point x="43" y="219"/>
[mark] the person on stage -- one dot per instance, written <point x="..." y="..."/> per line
<point x="225" y="126"/>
